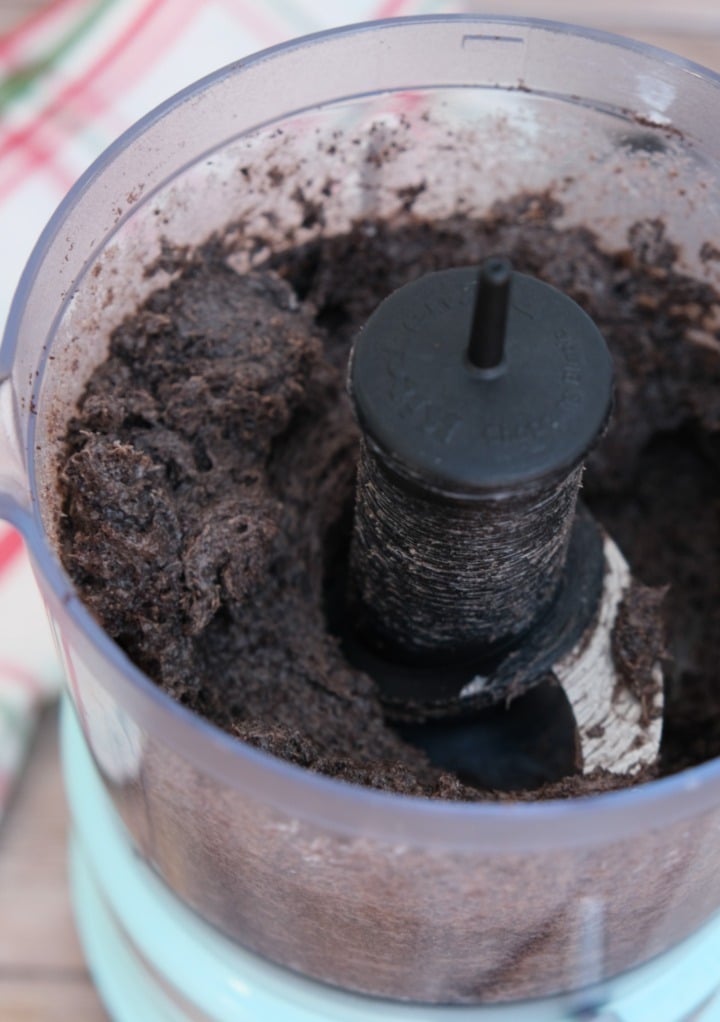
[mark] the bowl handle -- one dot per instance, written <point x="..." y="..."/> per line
<point x="15" y="501"/>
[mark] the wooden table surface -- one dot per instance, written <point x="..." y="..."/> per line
<point x="43" y="977"/>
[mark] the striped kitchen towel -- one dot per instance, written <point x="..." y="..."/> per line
<point x="29" y="672"/>
<point x="72" y="78"/>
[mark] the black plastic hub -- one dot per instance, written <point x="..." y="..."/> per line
<point x="449" y="412"/>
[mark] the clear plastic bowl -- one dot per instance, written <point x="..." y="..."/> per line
<point x="394" y="896"/>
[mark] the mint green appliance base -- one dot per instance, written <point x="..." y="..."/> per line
<point x="154" y="960"/>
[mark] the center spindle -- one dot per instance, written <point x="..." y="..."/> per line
<point x="479" y="395"/>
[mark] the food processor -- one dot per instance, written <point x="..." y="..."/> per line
<point x="211" y="880"/>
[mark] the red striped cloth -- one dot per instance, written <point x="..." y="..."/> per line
<point x="72" y="77"/>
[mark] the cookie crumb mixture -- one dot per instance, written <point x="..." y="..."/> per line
<point x="210" y="471"/>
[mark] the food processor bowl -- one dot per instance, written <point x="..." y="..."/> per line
<point x="398" y="897"/>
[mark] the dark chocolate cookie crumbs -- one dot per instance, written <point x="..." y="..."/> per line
<point x="637" y="636"/>
<point x="211" y="465"/>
